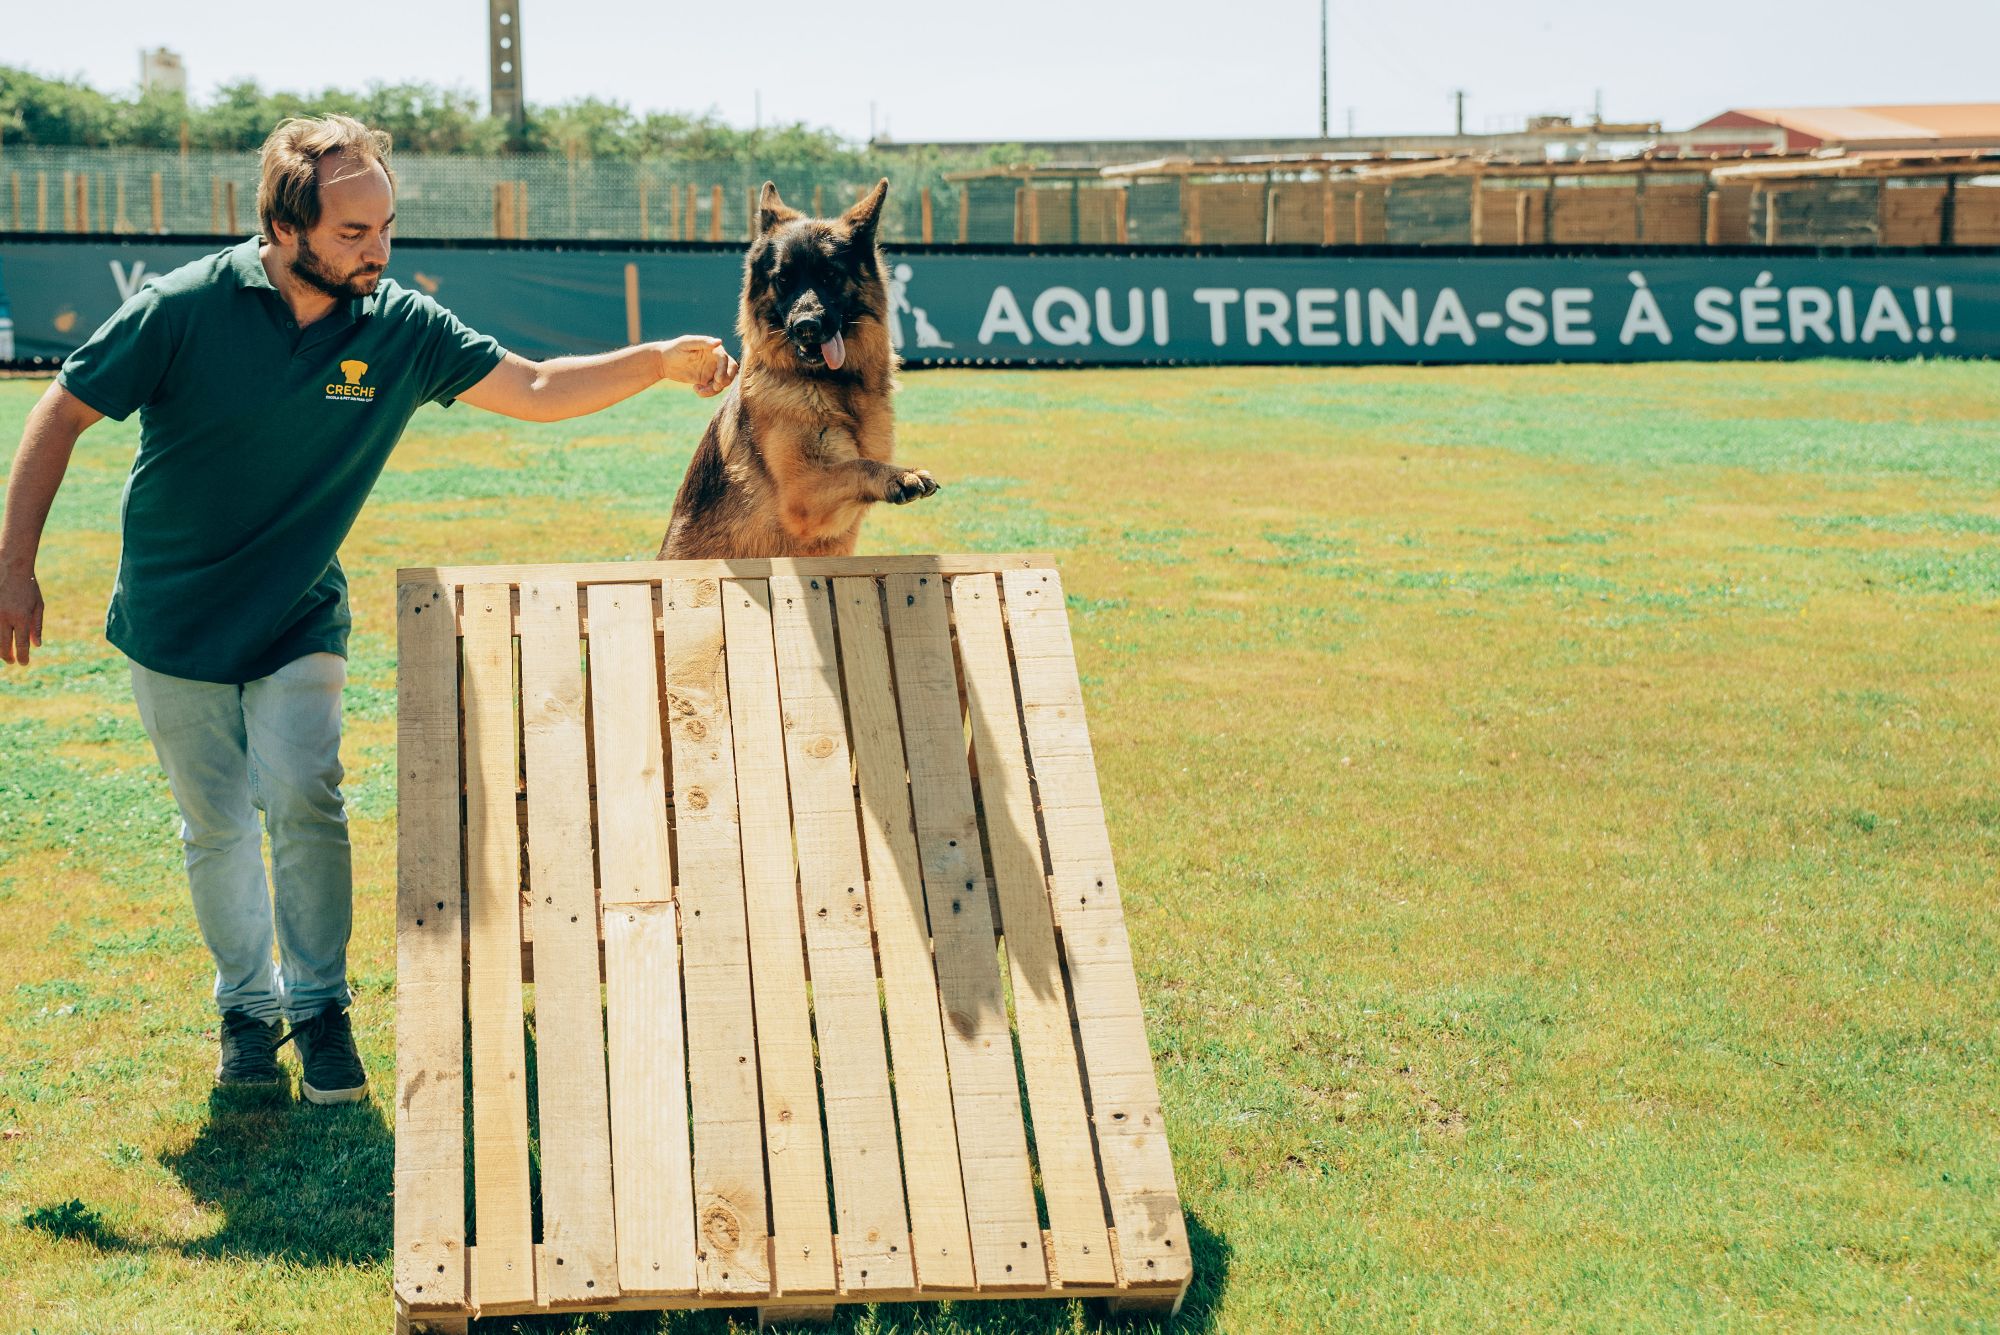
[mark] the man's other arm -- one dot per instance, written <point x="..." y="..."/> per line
<point x="53" y="426"/>
<point x="572" y="386"/>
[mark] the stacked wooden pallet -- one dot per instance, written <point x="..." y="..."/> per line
<point x="1912" y="213"/>
<point x="1817" y="213"/>
<point x="1975" y="215"/>
<point x="734" y="811"/>
<point x="1425" y="211"/>
<point x="1513" y="214"/>
<point x="1672" y="215"/>
<point x="1605" y="212"/>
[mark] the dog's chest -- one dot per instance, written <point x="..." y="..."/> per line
<point x="832" y="428"/>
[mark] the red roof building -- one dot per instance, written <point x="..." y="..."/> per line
<point x="1958" y="125"/>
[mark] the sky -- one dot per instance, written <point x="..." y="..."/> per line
<point x="1038" y="69"/>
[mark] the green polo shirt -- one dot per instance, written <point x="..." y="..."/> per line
<point x="258" y="443"/>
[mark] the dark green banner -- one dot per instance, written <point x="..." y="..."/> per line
<point x="952" y="307"/>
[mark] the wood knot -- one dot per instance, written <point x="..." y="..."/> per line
<point x="696" y="799"/>
<point x="695" y="728"/>
<point x="819" y="748"/>
<point x="720" y="1228"/>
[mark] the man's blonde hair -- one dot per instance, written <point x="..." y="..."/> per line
<point x="288" y="189"/>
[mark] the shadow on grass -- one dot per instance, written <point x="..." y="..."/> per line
<point x="296" y="1181"/>
<point x="292" y="1180"/>
<point x="75" y="1220"/>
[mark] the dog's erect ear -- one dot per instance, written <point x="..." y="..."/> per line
<point x="771" y="210"/>
<point x="862" y="217"/>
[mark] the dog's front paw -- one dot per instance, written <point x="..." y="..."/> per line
<point x="910" y="486"/>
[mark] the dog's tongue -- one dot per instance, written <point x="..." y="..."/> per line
<point x="835" y="352"/>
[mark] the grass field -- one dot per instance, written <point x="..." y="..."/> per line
<point x="1559" y="812"/>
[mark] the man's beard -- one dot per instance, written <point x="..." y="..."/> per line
<point x="311" y="270"/>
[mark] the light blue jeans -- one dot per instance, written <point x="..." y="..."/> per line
<point x="270" y="745"/>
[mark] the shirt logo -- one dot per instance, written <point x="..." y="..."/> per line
<point x="352" y="373"/>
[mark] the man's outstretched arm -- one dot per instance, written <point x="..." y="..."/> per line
<point x="572" y="386"/>
<point x="54" y="423"/>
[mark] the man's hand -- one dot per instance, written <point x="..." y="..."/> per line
<point x="698" y="360"/>
<point x="54" y="423"/>
<point x="20" y="615"/>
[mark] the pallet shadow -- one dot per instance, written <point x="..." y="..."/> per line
<point x="984" y="1317"/>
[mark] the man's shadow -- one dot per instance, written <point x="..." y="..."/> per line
<point x="292" y="1180"/>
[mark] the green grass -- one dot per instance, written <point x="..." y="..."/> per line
<point x="1558" y="810"/>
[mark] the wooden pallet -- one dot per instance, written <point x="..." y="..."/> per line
<point x="724" y="818"/>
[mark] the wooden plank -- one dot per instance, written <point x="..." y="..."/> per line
<point x="992" y="1143"/>
<point x="936" y="1193"/>
<point x="707" y="1302"/>
<point x="833" y="900"/>
<point x="652" y="1171"/>
<point x="731" y="1237"/>
<point x="635" y="863"/>
<point x="625" y="572"/>
<point x="794" y="1151"/>
<point x="1070" y="1185"/>
<point x="651" y="1167"/>
<point x="1118" y="1065"/>
<point x="429" y="1266"/>
<point x="579" y="1249"/>
<point x="501" y="1206"/>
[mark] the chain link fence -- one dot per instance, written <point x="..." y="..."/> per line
<point x="550" y="197"/>
<point x="538" y="197"/>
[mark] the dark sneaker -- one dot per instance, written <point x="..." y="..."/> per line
<point x="333" y="1071"/>
<point x="249" y="1052"/>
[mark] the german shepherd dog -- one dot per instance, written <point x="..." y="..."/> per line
<point x="801" y="448"/>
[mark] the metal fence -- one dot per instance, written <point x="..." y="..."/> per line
<point x="541" y="196"/>
<point x="549" y="197"/>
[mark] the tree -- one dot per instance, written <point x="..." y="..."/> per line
<point x="35" y="110"/>
<point x="588" y="127"/>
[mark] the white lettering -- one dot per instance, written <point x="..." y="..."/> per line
<point x="128" y="281"/>
<point x="1530" y="326"/>
<point x="1760" y="312"/>
<point x="1569" y="308"/>
<point x="1718" y="321"/>
<point x="1316" y="317"/>
<point x="1643" y="316"/>
<point x="1399" y="316"/>
<point x="1884" y="316"/>
<point x="1003" y="316"/>
<point x="1111" y="333"/>
<point x="1073" y="328"/>
<point x="1218" y="300"/>
<point x="1810" y="309"/>
<point x="1266" y="310"/>
<point x="1448" y="317"/>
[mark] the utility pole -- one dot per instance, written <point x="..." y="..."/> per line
<point x="503" y="49"/>
<point x="1350" y="122"/>
<point x="1322" y="68"/>
<point x="1458" y="99"/>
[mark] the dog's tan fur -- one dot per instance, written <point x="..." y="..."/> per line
<point x="795" y="456"/>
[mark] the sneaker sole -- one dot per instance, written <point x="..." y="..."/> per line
<point x="325" y="1096"/>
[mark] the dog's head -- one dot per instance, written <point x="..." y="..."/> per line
<point x="810" y="284"/>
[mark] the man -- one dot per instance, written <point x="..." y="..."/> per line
<point x="272" y="381"/>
